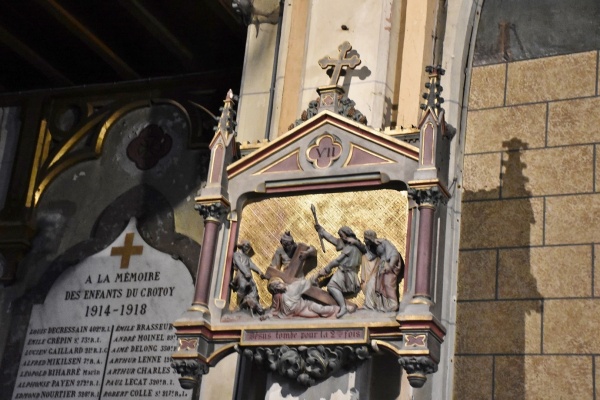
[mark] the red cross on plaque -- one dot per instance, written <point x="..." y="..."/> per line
<point x="340" y="62"/>
<point x="127" y="250"/>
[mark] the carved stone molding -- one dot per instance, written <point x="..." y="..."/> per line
<point x="417" y="369"/>
<point x="191" y="372"/>
<point x="307" y="365"/>
<point x="430" y="196"/>
<point x="213" y="211"/>
<point x="343" y="106"/>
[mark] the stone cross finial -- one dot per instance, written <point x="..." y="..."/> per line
<point x="340" y="62"/>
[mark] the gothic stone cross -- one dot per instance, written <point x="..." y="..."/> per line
<point x="290" y="274"/>
<point x="340" y="62"/>
<point x="127" y="250"/>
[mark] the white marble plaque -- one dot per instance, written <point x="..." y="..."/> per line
<point x="104" y="330"/>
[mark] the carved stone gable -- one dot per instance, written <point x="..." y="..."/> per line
<point x="327" y="145"/>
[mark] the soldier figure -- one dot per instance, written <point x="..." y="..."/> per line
<point x="345" y="280"/>
<point x="243" y="282"/>
<point x="284" y="254"/>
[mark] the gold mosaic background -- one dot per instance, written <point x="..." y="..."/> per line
<point x="263" y="223"/>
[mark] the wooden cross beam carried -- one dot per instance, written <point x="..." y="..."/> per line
<point x="294" y="271"/>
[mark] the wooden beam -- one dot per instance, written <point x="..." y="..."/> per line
<point x="83" y="33"/>
<point x="33" y="58"/>
<point x="160" y="32"/>
<point x="223" y="9"/>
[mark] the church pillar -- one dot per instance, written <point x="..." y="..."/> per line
<point x="412" y="212"/>
<point x="212" y="214"/>
<point x="422" y="332"/>
<point x="419" y="28"/>
<point x="292" y="61"/>
<point x="426" y="205"/>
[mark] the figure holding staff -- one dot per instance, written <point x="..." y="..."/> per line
<point x="345" y="280"/>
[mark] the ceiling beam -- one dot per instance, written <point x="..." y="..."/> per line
<point x="83" y="33"/>
<point x="228" y="16"/>
<point x="33" y="58"/>
<point x="160" y="32"/>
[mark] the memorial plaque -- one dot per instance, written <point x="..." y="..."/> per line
<point x="104" y="330"/>
<point x="265" y="337"/>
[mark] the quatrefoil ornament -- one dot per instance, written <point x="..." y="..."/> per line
<point x="326" y="150"/>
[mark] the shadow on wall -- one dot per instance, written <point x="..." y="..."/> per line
<point x="156" y="224"/>
<point x="499" y="307"/>
<point x="89" y="205"/>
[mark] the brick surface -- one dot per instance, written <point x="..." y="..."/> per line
<point x="564" y="271"/>
<point x="573" y="219"/>
<point x="537" y="172"/>
<point x="551" y="78"/>
<point x="571" y="326"/>
<point x="574" y="122"/>
<point x="498" y="327"/>
<point x="487" y="86"/>
<point x="473" y="377"/>
<point x="481" y="176"/>
<point x="503" y="223"/>
<point x="543" y="377"/>
<point x="477" y="275"/>
<point x="488" y="130"/>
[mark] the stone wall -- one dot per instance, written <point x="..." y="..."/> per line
<point x="527" y="297"/>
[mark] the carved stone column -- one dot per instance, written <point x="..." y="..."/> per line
<point x="422" y="332"/>
<point x="427" y="200"/>
<point x="213" y="214"/>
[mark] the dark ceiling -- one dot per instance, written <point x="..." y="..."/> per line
<point x="511" y="30"/>
<point x="64" y="43"/>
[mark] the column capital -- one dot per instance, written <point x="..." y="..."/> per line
<point x="191" y="372"/>
<point x="431" y="197"/>
<point x="212" y="211"/>
<point x="417" y="369"/>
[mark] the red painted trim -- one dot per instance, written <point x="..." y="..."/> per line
<point x="299" y="188"/>
<point x="285" y="140"/>
<point x="408" y="326"/>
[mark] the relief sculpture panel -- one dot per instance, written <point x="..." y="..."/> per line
<point x="292" y="266"/>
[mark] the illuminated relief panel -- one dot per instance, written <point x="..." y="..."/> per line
<point x="263" y="222"/>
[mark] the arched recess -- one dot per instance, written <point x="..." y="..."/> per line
<point x="156" y="224"/>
